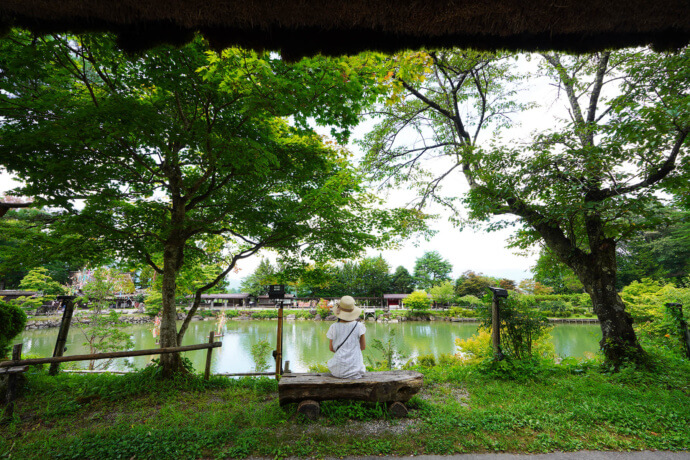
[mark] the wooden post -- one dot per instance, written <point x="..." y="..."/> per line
<point x="496" y="330"/>
<point x="64" y="330"/>
<point x="279" y="343"/>
<point x="12" y="385"/>
<point x="682" y="326"/>
<point x="207" y="374"/>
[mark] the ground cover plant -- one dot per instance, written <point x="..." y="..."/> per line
<point x="462" y="408"/>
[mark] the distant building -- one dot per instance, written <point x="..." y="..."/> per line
<point x="394" y="300"/>
<point x="264" y="301"/>
<point x="225" y="300"/>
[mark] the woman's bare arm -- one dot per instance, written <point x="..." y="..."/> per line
<point x="362" y="342"/>
<point x="330" y="345"/>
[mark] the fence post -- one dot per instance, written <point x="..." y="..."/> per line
<point x="64" y="330"/>
<point x="207" y="374"/>
<point x="12" y="385"/>
<point x="682" y="326"/>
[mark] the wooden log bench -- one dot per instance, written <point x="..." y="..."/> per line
<point x="392" y="387"/>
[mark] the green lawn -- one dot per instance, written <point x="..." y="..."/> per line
<point x="461" y="409"/>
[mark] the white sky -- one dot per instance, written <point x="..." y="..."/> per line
<point x="479" y="251"/>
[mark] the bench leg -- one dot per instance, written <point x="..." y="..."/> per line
<point x="309" y="409"/>
<point x="397" y="409"/>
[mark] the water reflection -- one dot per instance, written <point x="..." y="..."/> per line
<point x="304" y="342"/>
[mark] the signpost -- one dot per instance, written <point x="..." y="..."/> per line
<point x="277" y="292"/>
<point x="496" y="322"/>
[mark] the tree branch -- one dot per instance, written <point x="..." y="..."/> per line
<point x="653" y="178"/>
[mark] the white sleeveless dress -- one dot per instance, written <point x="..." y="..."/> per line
<point x="347" y="362"/>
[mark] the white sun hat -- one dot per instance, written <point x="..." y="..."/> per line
<point x="346" y="309"/>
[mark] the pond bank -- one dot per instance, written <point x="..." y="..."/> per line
<point x="305" y="342"/>
<point x="35" y="322"/>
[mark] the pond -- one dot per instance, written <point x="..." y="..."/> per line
<point x="304" y="342"/>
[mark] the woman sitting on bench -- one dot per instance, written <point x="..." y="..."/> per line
<point x="346" y="340"/>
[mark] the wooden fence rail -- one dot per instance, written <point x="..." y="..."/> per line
<point x="17" y="365"/>
<point x="114" y="354"/>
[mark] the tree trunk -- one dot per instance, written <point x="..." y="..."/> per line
<point x="598" y="275"/>
<point x="597" y="271"/>
<point x="168" y="335"/>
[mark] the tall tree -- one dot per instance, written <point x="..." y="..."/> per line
<point x="471" y="283"/>
<point x="431" y="269"/>
<point x="368" y="277"/>
<point x="373" y="276"/>
<point x="167" y="150"/>
<point x="401" y="281"/>
<point x="265" y="274"/>
<point x="575" y="187"/>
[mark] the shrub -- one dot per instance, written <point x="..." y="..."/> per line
<point x="521" y="326"/>
<point x="418" y="313"/>
<point x="260" y="353"/>
<point x="389" y="348"/>
<point x="38" y="279"/>
<point x="418" y="300"/>
<point x="12" y="322"/>
<point x="206" y="313"/>
<point x="554" y="305"/>
<point x="446" y="359"/>
<point x="264" y="314"/>
<point x="460" y="312"/>
<point x="475" y="348"/>
<point x="443" y="293"/>
<point x="427" y="360"/>
<point x="320" y="368"/>
<point x="323" y="309"/>
<point x="469" y="301"/>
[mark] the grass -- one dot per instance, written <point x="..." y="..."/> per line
<point x="462" y="408"/>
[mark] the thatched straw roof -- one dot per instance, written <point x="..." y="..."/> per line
<point x="305" y="27"/>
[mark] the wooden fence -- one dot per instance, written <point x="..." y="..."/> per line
<point x="17" y="365"/>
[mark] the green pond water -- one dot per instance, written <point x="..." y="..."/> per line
<point x="304" y="342"/>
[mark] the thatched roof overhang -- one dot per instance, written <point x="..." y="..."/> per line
<point x="307" y="27"/>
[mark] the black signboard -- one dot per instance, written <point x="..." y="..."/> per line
<point x="498" y="292"/>
<point x="276" y="291"/>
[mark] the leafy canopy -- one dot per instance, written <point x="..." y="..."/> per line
<point x="176" y="146"/>
<point x="431" y="269"/>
